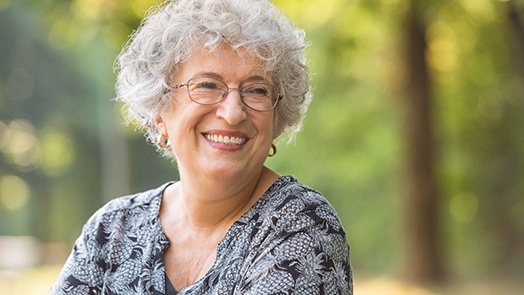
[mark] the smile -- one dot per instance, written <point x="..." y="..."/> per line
<point x="229" y="140"/>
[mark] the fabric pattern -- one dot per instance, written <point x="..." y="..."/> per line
<point x="290" y="242"/>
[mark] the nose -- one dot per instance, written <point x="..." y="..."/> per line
<point x="232" y="109"/>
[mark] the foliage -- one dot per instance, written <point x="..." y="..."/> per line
<point x="67" y="151"/>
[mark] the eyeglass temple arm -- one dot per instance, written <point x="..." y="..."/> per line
<point x="175" y="87"/>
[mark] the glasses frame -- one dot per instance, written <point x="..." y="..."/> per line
<point x="226" y="94"/>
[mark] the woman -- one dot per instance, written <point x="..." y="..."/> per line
<point x="214" y="83"/>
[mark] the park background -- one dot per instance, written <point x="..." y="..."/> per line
<point x="415" y="135"/>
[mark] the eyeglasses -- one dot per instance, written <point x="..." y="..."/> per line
<point x="210" y="91"/>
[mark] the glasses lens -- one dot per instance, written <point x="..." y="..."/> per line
<point x="206" y="90"/>
<point x="258" y="96"/>
<point x="210" y="91"/>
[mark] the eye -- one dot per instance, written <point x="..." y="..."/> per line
<point x="203" y="85"/>
<point x="257" y="90"/>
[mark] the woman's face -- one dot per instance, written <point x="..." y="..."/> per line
<point x="227" y="139"/>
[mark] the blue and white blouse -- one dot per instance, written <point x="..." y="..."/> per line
<point x="290" y="242"/>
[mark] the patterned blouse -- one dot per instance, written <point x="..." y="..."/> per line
<point x="290" y="242"/>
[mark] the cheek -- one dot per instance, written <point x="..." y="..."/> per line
<point x="264" y="129"/>
<point x="275" y="127"/>
<point x="177" y="117"/>
<point x="271" y="123"/>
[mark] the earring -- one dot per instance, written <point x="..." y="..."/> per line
<point x="163" y="142"/>
<point x="273" y="151"/>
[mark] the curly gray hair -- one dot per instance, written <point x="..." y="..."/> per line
<point x="151" y="58"/>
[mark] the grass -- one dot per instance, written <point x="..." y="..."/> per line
<point x="388" y="286"/>
<point x="37" y="280"/>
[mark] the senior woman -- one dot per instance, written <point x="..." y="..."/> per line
<point x="214" y="83"/>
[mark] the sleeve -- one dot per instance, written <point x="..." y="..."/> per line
<point x="308" y="254"/>
<point x="83" y="270"/>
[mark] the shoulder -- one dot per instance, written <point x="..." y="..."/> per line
<point x="136" y="202"/>
<point x="290" y="201"/>
<point x="115" y="240"/>
<point x="301" y="243"/>
<point x="125" y="213"/>
<point x="293" y="215"/>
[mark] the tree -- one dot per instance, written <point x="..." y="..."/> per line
<point x="423" y="262"/>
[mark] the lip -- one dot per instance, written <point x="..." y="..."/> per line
<point x="225" y="139"/>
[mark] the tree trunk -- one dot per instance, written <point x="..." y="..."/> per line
<point x="423" y="261"/>
<point x="516" y="21"/>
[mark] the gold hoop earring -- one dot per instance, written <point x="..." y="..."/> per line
<point x="273" y="150"/>
<point x="163" y="142"/>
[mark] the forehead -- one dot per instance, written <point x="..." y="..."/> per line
<point x="231" y="65"/>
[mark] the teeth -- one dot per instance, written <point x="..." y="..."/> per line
<point x="225" y="139"/>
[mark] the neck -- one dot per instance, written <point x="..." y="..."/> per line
<point x="209" y="205"/>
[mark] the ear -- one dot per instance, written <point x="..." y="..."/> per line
<point x="160" y="125"/>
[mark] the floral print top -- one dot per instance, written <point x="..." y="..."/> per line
<point x="290" y="242"/>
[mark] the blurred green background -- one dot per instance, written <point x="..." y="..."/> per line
<point x="425" y="168"/>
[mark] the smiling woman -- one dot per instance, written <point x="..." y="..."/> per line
<point x="214" y="83"/>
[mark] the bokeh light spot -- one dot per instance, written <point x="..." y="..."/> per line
<point x="62" y="35"/>
<point x="14" y="192"/>
<point x="490" y="110"/>
<point x="86" y="9"/>
<point x="140" y="7"/>
<point x="464" y="207"/>
<point x="4" y="136"/>
<point x="443" y="52"/>
<point x="58" y="152"/>
<point x="18" y="141"/>
<point x="116" y="35"/>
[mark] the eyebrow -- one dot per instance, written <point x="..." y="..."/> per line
<point x="254" y="78"/>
